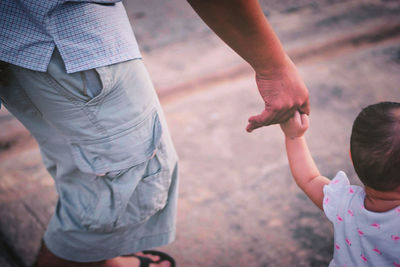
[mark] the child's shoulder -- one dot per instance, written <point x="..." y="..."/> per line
<point x="339" y="194"/>
<point x="340" y="182"/>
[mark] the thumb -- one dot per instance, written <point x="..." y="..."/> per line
<point x="258" y="121"/>
<point x="262" y="118"/>
<point x="305" y="108"/>
<point x="304" y="121"/>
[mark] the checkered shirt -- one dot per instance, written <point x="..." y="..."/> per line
<point x="87" y="33"/>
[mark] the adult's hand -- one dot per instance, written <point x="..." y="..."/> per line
<point x="283" y="92"/>
<point x="242" y="25"/>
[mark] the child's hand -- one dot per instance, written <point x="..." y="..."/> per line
<point x="295" y="126"/>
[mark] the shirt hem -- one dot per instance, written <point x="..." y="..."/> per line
<point x="108" y="62"/>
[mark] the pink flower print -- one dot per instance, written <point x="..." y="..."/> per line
<point x="335" y="182"/>
<point x="395" y="238"/>
<point x="361" y="233"/>
<point x="337" y="246"/>
<point x="376" y="225"/>
<point x="326" y="200"/>
<point x="396" y="264"/>
<point x="398" y="210"/>
<point x="377" y="251"/>
<point x="350" y="212"/>
<point x="351" y="191"/>
<point x="340" y="219"/>
<point x="363" y="258"/>
<point x="348" y="242"/>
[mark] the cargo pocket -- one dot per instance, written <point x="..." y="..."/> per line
<point x="131" y="176"/>
<point x="151" y="193"/>
<point x="121" y="150"/>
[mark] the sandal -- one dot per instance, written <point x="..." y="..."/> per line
<point x="145" y="262"/>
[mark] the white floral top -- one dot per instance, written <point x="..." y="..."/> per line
<point x="361" y="237"/>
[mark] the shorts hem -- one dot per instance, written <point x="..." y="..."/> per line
<point x="123" y="247"/>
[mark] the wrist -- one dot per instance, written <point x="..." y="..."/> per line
<point x="294" y="137"/>
<point x="273" y="68"/>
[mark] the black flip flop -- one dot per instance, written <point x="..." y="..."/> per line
<point x="145" y="262"/>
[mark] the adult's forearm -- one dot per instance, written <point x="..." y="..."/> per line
<point x="242" y="25"/>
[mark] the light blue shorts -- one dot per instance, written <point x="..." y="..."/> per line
<point x="103" y="138"/>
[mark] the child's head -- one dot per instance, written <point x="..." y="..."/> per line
<point x="375" y="146"/>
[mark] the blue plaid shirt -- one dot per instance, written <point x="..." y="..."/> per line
<point x="87" y="33"/>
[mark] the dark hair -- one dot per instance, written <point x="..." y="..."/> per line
<point x="375" y="146"/>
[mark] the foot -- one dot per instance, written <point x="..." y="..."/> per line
<point x="132" y="261"/>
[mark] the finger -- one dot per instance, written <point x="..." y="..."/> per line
<point x="249" y="128"/>
<point x="262" y="118"/>
<point x="305" y="108"/>
<point x="304" y="121"/>
<point x="268" y="117"/>
<point x="286" y="117"/>
<point x="297" y="118"/>
<point x="283" y="116"/>
<point x="252" y="126"/>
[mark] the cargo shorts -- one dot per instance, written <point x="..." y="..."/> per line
<point x="104" y="140"/>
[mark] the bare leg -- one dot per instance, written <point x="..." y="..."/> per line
<point x="48" y="259"/>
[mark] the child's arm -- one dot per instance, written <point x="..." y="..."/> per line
<point x="304" y="170"/>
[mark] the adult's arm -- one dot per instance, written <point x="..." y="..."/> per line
<point x="242" y="25"/>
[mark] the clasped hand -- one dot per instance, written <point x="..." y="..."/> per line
<point x="283" y="92"/>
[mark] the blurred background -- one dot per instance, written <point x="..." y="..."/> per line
<point x="238" y="205"/>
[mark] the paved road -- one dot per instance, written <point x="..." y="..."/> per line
<point x="238" y="205"/>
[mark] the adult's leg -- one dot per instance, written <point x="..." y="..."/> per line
<point x="47" y="259"/>
<point x="61" y="122"/>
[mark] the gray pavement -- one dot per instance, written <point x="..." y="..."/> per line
<point x="238" y="205"/>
